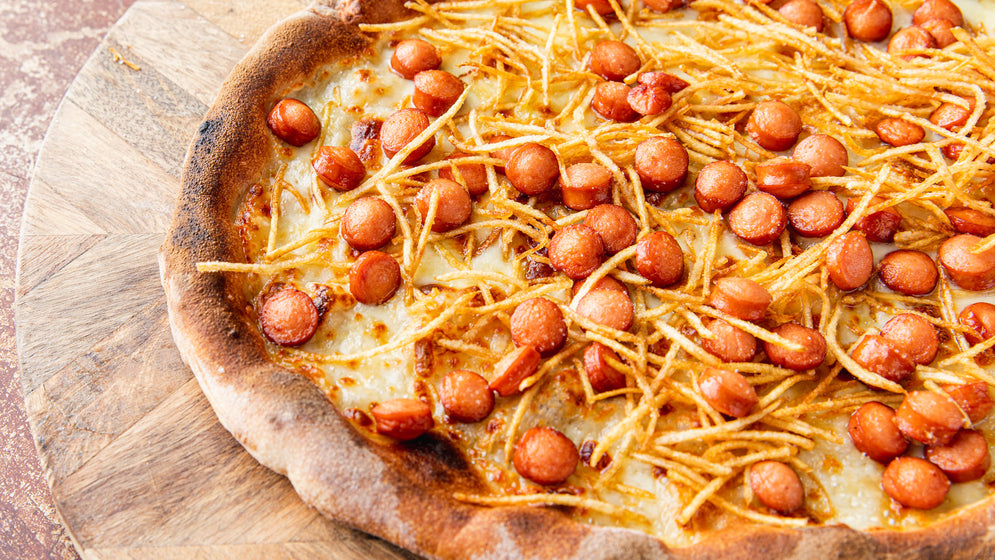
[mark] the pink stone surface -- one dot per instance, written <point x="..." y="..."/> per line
<point x="45" y="43"/>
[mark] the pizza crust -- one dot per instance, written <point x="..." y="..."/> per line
<point x="400" y="492"/>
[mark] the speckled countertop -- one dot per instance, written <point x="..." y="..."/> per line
<point x="43" y="44"/>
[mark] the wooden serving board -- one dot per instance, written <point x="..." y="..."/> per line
<point x="138" y="464"/>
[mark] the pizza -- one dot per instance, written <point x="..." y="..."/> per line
<point x="602" y="279"/>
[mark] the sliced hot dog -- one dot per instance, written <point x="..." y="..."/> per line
<point x="730" y="343"/>
<point x="611" y="308"/>
<point x="545" y="456"/>
<point x="728" y="392"/>
<point x="964" y="459"/>
<point x="812" y="356"/>
<point x="883" y="357"/>
<point x="914" y="336"/>
<point x="514" y="368"/>
<point x="576" y="251"/>
<point x="289" y="317"/>
<point x="777" y="486"/>
<point x="975" y="399"/>
<point x="539" y="323"/>
<point x="971" y="271"/>
<point x="659" y="259"/>
<point x="466" y="396"/>
<point x="850" y="261"/>
<point x="402" y="419"/>
<point x="602" y="376"/>
<point x="928" y="418"/>
<point x="915" y="483"/>
<point x="740" y="297"/>
<point x="374" y="277"/>
<point x="874" y="432"/>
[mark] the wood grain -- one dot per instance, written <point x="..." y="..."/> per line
<point x="138" y="464"/>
